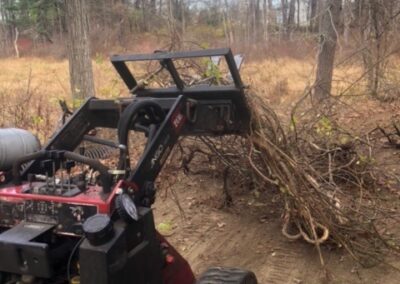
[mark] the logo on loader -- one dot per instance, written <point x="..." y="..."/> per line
<point x="177" y="121"/>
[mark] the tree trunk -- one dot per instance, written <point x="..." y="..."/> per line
<point x="328" y="37"/>
<point x="375" y="40"/>
<point x="284" y="8"/>
<point x="80" y="65"/>
<point x="265" y="22"/>
<point x="271" y="16"/>
<point x="183" y="20"/>
<point x="253" y="22"/>
<point x="16" y="42"/>
<point x="229" y="22"/>
<point x="60" y="21"/>
<point x="313" y="15"/>
<point x="226" y="24"/>
<point x="137" y="4"/>
<point x="3" y="36"/>
<point x="290" y="19"/>
<point x="174" y="34"/>
<point x="257" y="20"/>
<point x="144" y="17"/>
<point x="153" y="8"/>
<point x="347" y="20"/>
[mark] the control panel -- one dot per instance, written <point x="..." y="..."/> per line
<point x="67" y="213"/>
<point x="67" y="218"/>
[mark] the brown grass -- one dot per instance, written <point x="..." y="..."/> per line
<point x="281" y="82"/>
<point x="31" y="87"/>
<point x="281" y="77"/>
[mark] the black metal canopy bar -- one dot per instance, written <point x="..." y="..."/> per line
<point x="166" y="60"/>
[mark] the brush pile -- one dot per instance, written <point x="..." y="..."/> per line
<point x="331" y="190"/>
<point x="329" y="186"/>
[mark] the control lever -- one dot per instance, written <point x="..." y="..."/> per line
<point x="47" y="166"/>
<point x="68" y="166"/>
<point x="81" y="182"/>
<point x="31" y="178"/>
<point x="82" y="153"/>
<point x="59" y="157"/>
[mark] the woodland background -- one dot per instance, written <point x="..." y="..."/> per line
<point x="261" y="29"/>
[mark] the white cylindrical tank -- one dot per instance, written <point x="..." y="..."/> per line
<point x="15" y="143"/>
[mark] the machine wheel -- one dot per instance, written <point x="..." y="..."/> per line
<point x="221" y="275"/>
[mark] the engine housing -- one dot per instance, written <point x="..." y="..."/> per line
<point x="14" y="144"/>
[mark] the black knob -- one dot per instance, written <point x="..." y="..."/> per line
<point x="98" y="229"/>
<point x="126" y="208"/>
<point x="149" y="194"/>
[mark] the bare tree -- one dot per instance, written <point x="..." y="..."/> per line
<point x="227" y="25"/>
<point x="254" y="20"/>
<point x="153" y="7"/>
<point x="328" y="36"/>
<point x="80" y="65"/>
<point x="284" y="9"/>
<point x="290" y="19"/>
<point x="271" y="16"/>
<point x="288" y="8"/>
<point x="265" y="20"/>
<point x="378" y="34"/>
<point x="347" y="20"/>
<point x="16" y="42"/>
<point x="137" y="4"/>
<point x="313" y="15"/>
<point x="182" y="18"/>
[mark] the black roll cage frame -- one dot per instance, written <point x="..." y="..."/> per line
<point x="194" y="110"/>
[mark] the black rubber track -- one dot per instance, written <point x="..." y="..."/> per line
<point x="222" y="275"/>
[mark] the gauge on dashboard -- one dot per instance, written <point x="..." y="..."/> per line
<point x="126" y="208"/>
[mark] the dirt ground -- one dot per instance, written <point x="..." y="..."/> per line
<point x="248" y="235"/>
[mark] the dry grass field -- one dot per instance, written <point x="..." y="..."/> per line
<point x="37" y="84"/>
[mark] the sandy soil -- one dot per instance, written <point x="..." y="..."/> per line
<point x="248" y="235"/>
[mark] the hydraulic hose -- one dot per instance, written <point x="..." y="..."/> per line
<point x="105" y="176"/>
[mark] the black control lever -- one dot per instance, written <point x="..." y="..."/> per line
<point x="69" y="165"/>
<point x="47" y="166"/>
<point x="105" y="177"/>
<point x="27" y="158"/>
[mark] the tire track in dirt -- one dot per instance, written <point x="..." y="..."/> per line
<point x="216" y="238"/>
<point x="236" y="238"/>
<point x="281" y="265"/>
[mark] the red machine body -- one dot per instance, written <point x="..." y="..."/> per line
<point x="66" y="213"/>
<point x="51" y="210"/>
<point x="91" y="197"/>
<point x="177" y="270"/>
